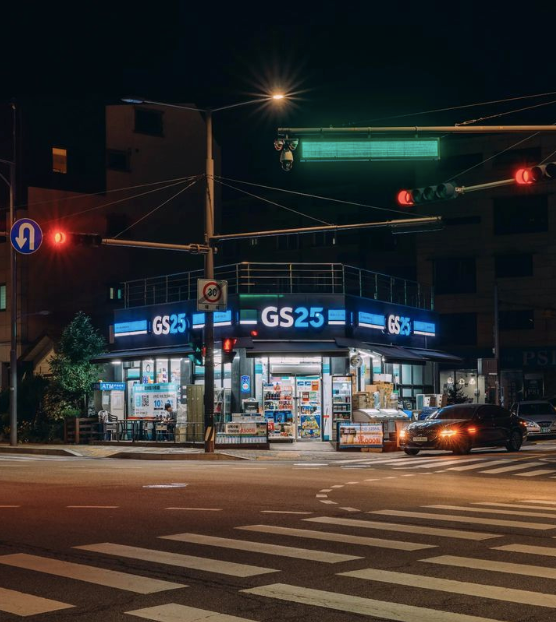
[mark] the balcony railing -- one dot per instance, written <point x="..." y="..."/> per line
<point x="282" y="278"/>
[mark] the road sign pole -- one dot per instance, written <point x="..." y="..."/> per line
<point x="13" y="305"/>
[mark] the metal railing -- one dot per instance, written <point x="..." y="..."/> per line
<point x="282" y="278"/>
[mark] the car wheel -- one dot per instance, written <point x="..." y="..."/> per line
<point x="462" y="448"/>
<point x="410" y="451"/>
<point x="515" y="442"/>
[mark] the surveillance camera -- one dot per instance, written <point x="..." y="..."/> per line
<point x="292" y="144"/>
<point x="286" y="159"/>
<point x="279" y="144"/>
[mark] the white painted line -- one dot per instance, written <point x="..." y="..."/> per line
<point x="351" y="483"/>
<point x="469" y="467"/>
<point x="492" y="566"/>
<point x="390" y="477"/>
<point x="197" y="509"/>
<point x="427" y="531"/>
<point x="350" y="509"/>
<point x="536" y="501"/>
<point x="535" y="473"/>
<point x="513" y="505"/>
<point x="21" y="604"/>
<point x="373" y="479"/>
<point x="338" y="486"/>
<point x="338" y="537"/>
<point x="515" y="467"/>
<point x="436" y="463"/>
<point x="358" y="605"/>
<point x="504" y="594"/>
<point x="407" y="475"/>
<point x="282" y="512"/>
<point x="310" y="464"/>
<point x="261" y="547"/>
<point x="326" y="490"/>
<point x="93" y="507"/>
<point x="321" y="496"/>
<point x="490" y="511"/>
<point x="452" y="518"/>
<point x="176" y="559"/>
<point x="181" y="613"/>
<point x="328" y="501"/>
<point x="90" y="574"/>
<point x="527" y="548"/>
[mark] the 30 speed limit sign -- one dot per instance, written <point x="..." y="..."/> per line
<point x="212" y="295"/>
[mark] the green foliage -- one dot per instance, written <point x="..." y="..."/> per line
<point x="456" y="394"/>
<point x="72" y="371"/>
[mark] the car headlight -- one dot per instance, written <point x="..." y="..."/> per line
<point x="449" y="433"/>
<point x="403" y="433"/>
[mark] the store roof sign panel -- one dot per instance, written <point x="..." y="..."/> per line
<point x="222" y="318"/>
<point x="371" y="320"/>
<point x="125" y="329"/>
<point x="428" y="329"/>
<point x="336" y="317"/>
<point x="370" y="150"/>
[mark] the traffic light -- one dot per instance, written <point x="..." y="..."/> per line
<point x="196" y="343"/>
<point x="428" y="194"/>
<point x="534" y="174"/>
<point x="64" y="239"/>
<point x="228" y="349"/>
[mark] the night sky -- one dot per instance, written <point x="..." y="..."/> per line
<point x="346" y="63"/>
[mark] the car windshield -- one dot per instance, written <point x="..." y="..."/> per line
<point x="536" y="409"/>
<point x="453" y="412"/>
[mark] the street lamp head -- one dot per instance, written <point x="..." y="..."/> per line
<point x="278" y="96"/>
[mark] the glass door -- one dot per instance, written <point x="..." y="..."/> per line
<point x="308" y="406"/>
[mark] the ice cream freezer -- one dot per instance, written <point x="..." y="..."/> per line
<point x="372" y="428"/>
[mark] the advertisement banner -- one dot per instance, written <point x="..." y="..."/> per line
<point x="360" y="435"/>
<point x="149" y="399"/>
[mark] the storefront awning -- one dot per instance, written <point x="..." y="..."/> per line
<point x="397" y="354"/>
<point x="436" y="356"/>
<point x="256" y="347"/>
<point x="142" y="353"/>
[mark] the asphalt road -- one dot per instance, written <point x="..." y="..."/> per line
<point x="436" y="538"/>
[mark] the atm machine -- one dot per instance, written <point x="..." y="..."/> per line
<point x="110" y="396"/>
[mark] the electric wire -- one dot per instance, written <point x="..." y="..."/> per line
<point x="502" y="114"/>
<point x="315" y="196"/>
<point x="156" y="208"/>
<point x="135" y="196"/>
<point x="289" y="209"/>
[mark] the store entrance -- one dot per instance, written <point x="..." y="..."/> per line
<point x="293" y="407"/>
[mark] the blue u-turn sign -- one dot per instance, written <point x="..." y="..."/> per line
<point x="26" y="236"/>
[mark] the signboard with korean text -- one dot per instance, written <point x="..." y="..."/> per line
<point x="360" y="435"/>
<point x="149" y="399"/>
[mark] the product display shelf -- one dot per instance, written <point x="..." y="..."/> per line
<point x="278" y="411"/>
<point x="244" y="435"/>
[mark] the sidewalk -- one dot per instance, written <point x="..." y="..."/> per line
<point x="314" y="451"/>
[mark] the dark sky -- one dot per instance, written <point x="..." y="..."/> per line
<point x="347" y="62"/>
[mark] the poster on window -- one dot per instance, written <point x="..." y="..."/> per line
<point x="149" y="400"/>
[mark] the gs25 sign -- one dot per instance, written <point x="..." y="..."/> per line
<point x="398" y="325"/>
<point x="286" y="317"/>
<point x="169" y="324"/>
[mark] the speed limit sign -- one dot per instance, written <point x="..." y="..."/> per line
<point x="212" y="295"/>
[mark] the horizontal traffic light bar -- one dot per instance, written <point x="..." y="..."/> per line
<point x="370" y="150"/>
<point x="412" y="130"/>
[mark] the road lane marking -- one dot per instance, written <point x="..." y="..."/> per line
<point x="436" y="463"/>
<point x="93" y="507"/>
<point x="428" y="531"/>
<point x="328" y="536"/>
<point x="181" y="613"/>
<point x="492" y="566"/>
<point x="321" y="496"/>
<point x="527" y="548"/>
<point x="282" y="512"/>
<point x="536" y="501"/>
<point x="465" y="519"/>
<point x="326" y="490"/>
<point x="350" y="509"/>
<point x="198" y="509"/>
<point x="489" y="511"/>
<point x="89" y="574"/>
<point x="327" y="501"/>
<point x="534" y="473"/>
<point x="338" y="486"/>
<point x="493" y="592"/>
<point x="310" y="464"/>
<point x="21" y="604"/>
<point x="176" y="559"/>
<point x="261" y="547"/>
<point x="513" y="505"/>
<point x="469" y="467"/>
<point x="515" y="467"/>
<point x="358" y="605"/>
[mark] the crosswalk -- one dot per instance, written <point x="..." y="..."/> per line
<point x="419" y="542"/>
<point x="491" y="464"/>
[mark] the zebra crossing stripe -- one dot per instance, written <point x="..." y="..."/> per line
<point x="338" y="537"/>
<point x="436" y="463"/>
<point x="536" y="501"/>
<point x="452" y="518"/>
<point x="260" y="547"/>
<point x="490" y="511"/>
<point x="417" y="529"/>
<point x="176" y="559"/>
<point x="515" y="467"/>
<point x="493" y="566"/>
<point x="469" y="467"/>
<point x="534" y="473"/>
<point x="90" y="574"/>
<point x="513" y="505"/>
<point x="21" y="604"/>
<point x="493" y="592"/>
<point x="358" y="605"/>
<point x="527" y="548"/>
<point x="181" y="613"/>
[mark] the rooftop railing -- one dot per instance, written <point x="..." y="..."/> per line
<point x="282" y="278"/>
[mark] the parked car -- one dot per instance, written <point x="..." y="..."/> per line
<point x="461" y="427"/>
<point x="539" y="415"/>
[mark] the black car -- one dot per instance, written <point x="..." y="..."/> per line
<point x="461" y="427"/>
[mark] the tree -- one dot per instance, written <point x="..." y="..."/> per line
<point x="456" y="394"/>
<point x="72" y="371"/>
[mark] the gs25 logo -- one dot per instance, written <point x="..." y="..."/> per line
<point x="301" y="317"/>
<point x="398" y="325"/>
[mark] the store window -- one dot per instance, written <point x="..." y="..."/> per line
<point x="148" y="122"/>
<point x="3" y="297"/>
<point x="59" y="160"/>
<point x="521" y="214"/>
<point x="514" y="265"/>
<point x="453" y="275"/>
<point x="516" y="319"/>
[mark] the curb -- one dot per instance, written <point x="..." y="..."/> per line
<point x="45" y="451"/>
<point x="152" y="456"/>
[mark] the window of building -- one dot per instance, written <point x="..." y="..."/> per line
<point x="3" y="297"/>
<point x="115" y="292"/>
<point x="521" y="214"/>
<point x="459" y="329"/>
<point x="148" y="122"/>
<point x="513" y="265"/>
<point x="516" y="319"/>
<point x="59" y="160"/>
<point x="117" y="160"/>
<point x="455" y="275"/>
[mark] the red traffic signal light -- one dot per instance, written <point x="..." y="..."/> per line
<point x="228" y="345"/>
<point x="534" y="174"/>
<point x="405" y="198"/>
<point x="428" y="194"/>
<point x="59" y="238"/>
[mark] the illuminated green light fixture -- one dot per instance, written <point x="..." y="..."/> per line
<point x="369" y="150"/>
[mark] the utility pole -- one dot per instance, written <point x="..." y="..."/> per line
<point x="496" y="345"/>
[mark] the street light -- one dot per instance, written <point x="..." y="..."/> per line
<point x="210" y="432"/>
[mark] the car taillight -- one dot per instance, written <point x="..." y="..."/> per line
<point x="471" y="430"/>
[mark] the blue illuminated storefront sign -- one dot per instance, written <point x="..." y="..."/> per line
<point x="124" y="329"/>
